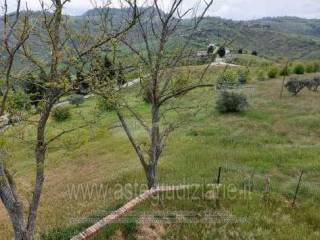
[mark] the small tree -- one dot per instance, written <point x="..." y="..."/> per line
<point x="273" y="72"/>
<point x="154" y="59"/>
<point x="61" y="113"/>
<point x="222" y="52"/>
<point x="243" y="76"/>
<point x="299" y="69"/>
<point x="226" y="79"/>
<point x="231" y="102"/>
<point x="14" y="34"/>
<point x="210" y="49"/>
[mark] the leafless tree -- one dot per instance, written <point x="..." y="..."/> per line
<point x="16" y="31"/>
<point x="155" y="30"/>
<point x="55" y="59"/>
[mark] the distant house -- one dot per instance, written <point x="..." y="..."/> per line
<point x="202" y="54"/>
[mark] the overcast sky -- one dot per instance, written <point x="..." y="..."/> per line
<point x="232" y="9"/>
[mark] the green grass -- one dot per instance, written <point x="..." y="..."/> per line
<point x="278" y="138"/>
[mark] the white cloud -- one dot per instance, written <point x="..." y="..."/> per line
<point x="233" y="9"/>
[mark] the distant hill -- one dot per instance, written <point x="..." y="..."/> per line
<point x="272" y="37"/>
<point x="291" y="37"/>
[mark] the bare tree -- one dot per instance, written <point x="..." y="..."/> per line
<point x="16" y="31"/>
<point x="61" y="52"/>
<point x="156" y="30"/>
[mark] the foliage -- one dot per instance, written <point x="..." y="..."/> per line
<point x="240" y="51"/>
<point x="61" y="113"/>
<point x="120" y="75"/>
<point x="18" y="101"/>
<point x="243" y="76"/>
<point x="81" y="84"/>
<point x="273" y="72"/>
<point x="231" y="102"/>
<point x="310" y="68"/>
<point x="107" y="103"/>
<point x="227" y="79"/>
<point x="147" y="96"/>
<point x="222" y="52"/>
<point x="76" y="99"/>
<point x="210" y="49"/>
<point x="35" y="87"/>
<point x="299" y="69"/>
<point x="316" y="67"/>
<point x="254" y="53"/>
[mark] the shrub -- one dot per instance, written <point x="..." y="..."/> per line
<point x="222" y="52"/>
<point x="299" y="69"/>
<point x="310" y="68"/>
<point x="240" y="51"/>
<point x="61" y="113"/>
<point x="254" y="53"/>
<point x="231" y="102"/>
<point x="226" y="79"/>
<point x="76" y="99"/>
<point x="18" y="101"/>
<point x="210" y="49"/>
<point x="316" y="67"/>
<point x="273" y="72"/>
<point x="294" y="86"/>
<point x="243" y="76"/>
<point x="107" y="104"/>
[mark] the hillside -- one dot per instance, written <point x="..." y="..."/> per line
<point x="290" y="37"/>
<point x="282" y="37"/>
<point x="271" y="37"/>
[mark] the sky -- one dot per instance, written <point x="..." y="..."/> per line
<point x="231" y="9"/>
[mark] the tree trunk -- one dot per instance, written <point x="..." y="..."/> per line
<point x="3" y="102"/>
<point x="151" y="176"/>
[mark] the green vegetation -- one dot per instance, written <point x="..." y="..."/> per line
<point x="231" y="102"/>
<point x="61" y="113"/>
<point x="299" y="69"/>
<point x="260" y="141"/>
<point x="273" y="72"/>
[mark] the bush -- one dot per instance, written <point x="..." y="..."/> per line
<point x="299" y="69"/>
<point x="273" y="72"/>
<point x="243" y="76"/>
<point x="226" y="79"/>
<point x="231" y="102"/>
<point x="107" y="104"/>
<point x="222" y="52"/>
<point x="18" y="101"/>
<point x="254" y="53"/>
<point x="76" y="99"/>
<point x="240" y="51"/>
<point x="61" y="113"/>
<point x="310" y="68"/>
<point x="316" y="67"/>
<point x="294" y="86"/>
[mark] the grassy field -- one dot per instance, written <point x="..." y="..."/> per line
<point x="274" y="137"/>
